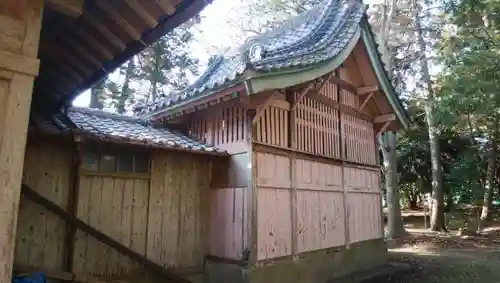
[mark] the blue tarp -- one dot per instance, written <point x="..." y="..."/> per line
<point x="36" y="277"/>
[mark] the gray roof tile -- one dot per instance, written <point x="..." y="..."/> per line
<point x="122" y="129"/>
<point x="315" y="36"/>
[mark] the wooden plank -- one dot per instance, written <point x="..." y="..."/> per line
<point x="366" y="89"/>
<point x="54" y="208"/>
<point x="72" y="8"/>
<point x="343" y="84"/>
<point x="301" y="96"/>
<point x="119" y="19"/>
<point x="142" y="12"/>
<point x="166" y="6"/>
<point x="366" y="100"/>
<point x="385" y="118"/>
<point x="100" y="27"/>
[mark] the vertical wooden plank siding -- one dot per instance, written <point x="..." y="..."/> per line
<point x="225" y="129"/>
<point x="321" y="205"/>
<point x="117" y="207"/>
<point x="40" y="235"/>
<point x="272" y="127"/>
<point x="227" y="222"/>
<point x="179" y="210"/>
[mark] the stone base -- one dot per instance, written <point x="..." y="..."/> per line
<point x="314" y="267"/>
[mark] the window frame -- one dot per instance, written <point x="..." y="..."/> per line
<point x="116" y="151"/>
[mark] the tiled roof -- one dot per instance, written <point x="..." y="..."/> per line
<point x="315" y="36"/>
<point x="123" y="129"/>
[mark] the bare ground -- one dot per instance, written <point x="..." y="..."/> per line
<point x="446" y="257"/>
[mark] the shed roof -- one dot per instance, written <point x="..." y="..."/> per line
<point x="324" y="35"/>
<point x="75" y="52"/>
<point x="118" y="128"/>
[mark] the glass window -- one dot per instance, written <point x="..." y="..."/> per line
<point x="108" y="163"/>
<point x="90" y="160"/>
<point x="141" y="163"/>
<point x="125" y="163"/>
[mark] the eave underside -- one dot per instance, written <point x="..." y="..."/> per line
<point x="77" y="51"/>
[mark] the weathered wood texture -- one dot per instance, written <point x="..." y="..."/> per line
<point x="20" y="24"/>
<point x="316" y="129"/>
<point x="312" y="203"/>
<point x="164" y="217"/>
<point x="177" y="234"/>
<point x="118" y="208"/>
<point x="225" y="128"/>
<point x="40" y="240"/>
<point x="319" y="205"/>
<point x="228" y="210"/>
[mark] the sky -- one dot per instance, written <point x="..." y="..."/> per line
<point x="212" y="38"/>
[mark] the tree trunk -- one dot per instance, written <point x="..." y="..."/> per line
<point x="437" y="197"/>
<point x="485" y="212"/>
<point x="126" y="92"/>
<point x="395" y="227"/>
<point x="96" y="95"/>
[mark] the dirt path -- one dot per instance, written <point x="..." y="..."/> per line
<point x="446" y="258"/>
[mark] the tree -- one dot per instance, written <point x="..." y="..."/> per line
<point x="120" y="97"/>
<point x="382" y="19"/>
<point x="167" y="63"/>
<point x="97" y="94"/>
<point x="470" y="82"/>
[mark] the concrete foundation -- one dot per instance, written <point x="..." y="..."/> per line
<point x="315" y="267"/>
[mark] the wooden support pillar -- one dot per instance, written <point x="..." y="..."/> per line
<point x="20" y="24"/>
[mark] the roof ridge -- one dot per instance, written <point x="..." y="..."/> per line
<point x="313" y="36"/>
<point x="105" y="114"/>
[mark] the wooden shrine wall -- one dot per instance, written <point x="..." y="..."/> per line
<point x="318" y="188"/>
<point x="40" y="234"/>
<point x="227" y="128"/>
<point x="163" y="216"/>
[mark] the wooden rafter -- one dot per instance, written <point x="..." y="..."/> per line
<point x="367" y="99"/>
<point x="166" y="6"/>
<point x="104" y="31"/>
<point x="106" y="54"/>
<point x="119" y="19"/>
<point x="72" y="8"/>
<point x="142" y="12"/>
<point x="366" y="89"/>
<point x="82" y="51"/>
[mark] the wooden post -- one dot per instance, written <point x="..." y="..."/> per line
<point x="20" y="22"/>
<point x="292" y="143"/>
<point x="343" y="157"/>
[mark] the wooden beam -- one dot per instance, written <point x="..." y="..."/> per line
<point x="301" y="96"/>
<point x="385" y="118"/>
<point x="103" y="238"/>
<point x="365" y="102"/>
<point x="82" y="52"/>
<point x="92" y="41"/>
<point x="383" y="128"/>
<point x="366" y="89"/>
<point x="72" y="8"/>
<point x="117" y="42"/>
<point x="141" y="11"/>
<point x="342" y="108"/>
<point x="166" y="6"/>
<point x="261" y="108"/>
<point x="343" y="84"/>
<point x="119" y="19"/>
